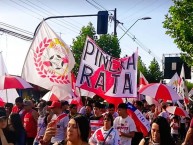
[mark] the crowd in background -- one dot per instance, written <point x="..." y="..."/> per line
<point x="58" y="122"/>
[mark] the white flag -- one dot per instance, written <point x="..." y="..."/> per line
<point x="182" y="89"/>
<point x="49" y="60"/>
<point x="8" y="95"/>
<point x="174" y="82"/>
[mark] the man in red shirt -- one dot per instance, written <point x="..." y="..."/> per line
<point x="30" y="121"/>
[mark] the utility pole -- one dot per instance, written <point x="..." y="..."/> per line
<point x="115" y="22"/>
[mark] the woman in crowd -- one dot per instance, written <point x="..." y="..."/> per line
<point x="77" y="132"/>
<point x="160" y="133"/>
<point x="106" y="134"/>
<point x="15" y="124"/>
<point x="7" y="137"/>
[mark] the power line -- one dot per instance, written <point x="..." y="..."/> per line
<point x="140" y="44"/>
<point x="93" y="5"/>
<point x="15" y="34"/>
<point x="43" y="4"/>
<point x="48" y="13"/>
<point x="41" y="15"/>
<point x="16" y="28"/>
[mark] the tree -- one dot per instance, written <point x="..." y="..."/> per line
<point x="78" y="44"/>
<point x="141" y="68"/>
<point x="179" y="25"/>
<point x="154" y="73"/>
<point x="108" y="43"/>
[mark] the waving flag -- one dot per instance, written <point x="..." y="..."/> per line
<point x="107" y="76"/>
<point x="49" y="60"/>
<point x="142" y="81"/>
<point x="142" y="124"/>
<point x="182" y="88"/>
<point x="8" y="95"/>
<point x="174" y="82"/>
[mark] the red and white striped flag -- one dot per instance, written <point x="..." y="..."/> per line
<point x="8" y="95"/>
<point x="49" y="60"/>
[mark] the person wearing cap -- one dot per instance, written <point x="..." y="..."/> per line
<point x="96" y="121"/>
<point x="42" y="122"/>
<point x="60" y="120"/>
<point x="7" y="137"/>
<point x="125" y="125"/>
<point x="30" y="121"/>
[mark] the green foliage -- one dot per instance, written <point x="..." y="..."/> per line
<point x="154" y="73"/>
<point x="110" y="45"/>
<point x="141" y="68"/>
<point x="179" y="25"/>
<point x="78" y="44"/>
<point x="189" y="85"/>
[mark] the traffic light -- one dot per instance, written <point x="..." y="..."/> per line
<point x="102" y="22"/>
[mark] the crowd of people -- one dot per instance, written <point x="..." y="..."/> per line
<point x="60" y="123"/>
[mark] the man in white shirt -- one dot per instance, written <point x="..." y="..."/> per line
<point x="125" y="125"/>
<point x="61" y="119"/>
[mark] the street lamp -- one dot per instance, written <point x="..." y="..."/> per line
<point x="144" y="18"/>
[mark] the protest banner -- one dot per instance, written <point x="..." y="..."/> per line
<point x="107" y="76"/>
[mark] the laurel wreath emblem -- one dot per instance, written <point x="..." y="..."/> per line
<point x="40" y="66"/>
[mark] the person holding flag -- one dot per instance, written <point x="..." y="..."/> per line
<point x="125" y="125"/>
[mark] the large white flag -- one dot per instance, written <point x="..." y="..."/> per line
<point x="49" y="60"/>
<point x="8" y="95"/>
<point x="174" y="82"/>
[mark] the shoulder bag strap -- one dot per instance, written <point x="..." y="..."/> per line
<point x="107" y="135"/>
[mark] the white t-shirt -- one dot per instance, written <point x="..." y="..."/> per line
<point x="125" y="125"/>
<point x="61" y="128"/>
<point x="41" y="127"/>
<point x="112" y="139"/>
<point x="172" y="125"/>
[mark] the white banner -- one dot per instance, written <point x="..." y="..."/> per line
<point x="107" y="76"/>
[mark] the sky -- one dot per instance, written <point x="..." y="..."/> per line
<point x="27" y="14"/>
